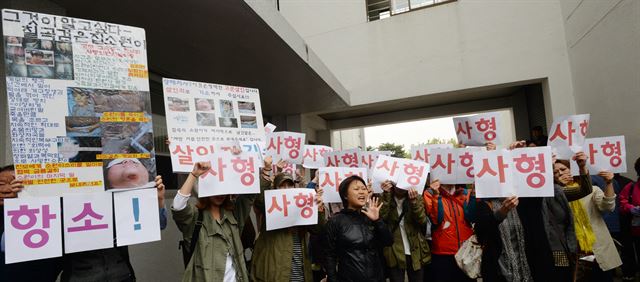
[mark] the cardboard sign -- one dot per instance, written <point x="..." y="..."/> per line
<point x="88" y="222"/>
<point x="137" y="216"/>
<point x="405" y="173"/>
<point x="32" y="229"/>
<point x="452" y="166"/>
<point x="478" y="130"/>
<point x="421" y="152"/>
<point x="525" y="172"/>
<point x="314" y="155"/>
<point x="343" y="158"/>
<point x="284" y="145"/>
<point x="331" y="177"/>
<point x="229" y="175"/>
<point x="567" y="135"/>
<point x="290" y="207"/>
<point x="606" y="153"/>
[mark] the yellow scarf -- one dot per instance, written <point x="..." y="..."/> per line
<point x="584" y="233"/>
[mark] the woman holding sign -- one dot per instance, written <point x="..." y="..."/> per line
<point x="404" y="213"/>
<point x="355" y="234"/>
<point x="597" y="254"/>
<point x="216" y="252"/>
<point x="501" y="234"/>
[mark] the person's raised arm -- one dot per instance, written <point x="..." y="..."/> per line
<point x="417" y="207"/>
<point x="585" y="187"/>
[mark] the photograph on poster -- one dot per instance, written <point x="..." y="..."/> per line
<point x="79" y="149"/>
<point x="127" y="137"/>
<point x="120" y="100"/>
<point x="248" y="122"/>
<point x="126" y="173"/>
<point x="247" y="108"/>
<point x="178" y="105"/>
<point x="80" y="103"/>
<point x="204" y="105"/>
<point x="83" y="126"/>
<point x="206" y="119"/>
<point x="37" y="58"/>
<point x="226" y="107"/>
<point x="228" y="122"/>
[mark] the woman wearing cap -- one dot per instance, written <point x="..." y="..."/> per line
<point x="355" y="235"/>
<point x="281" y="255"/>
<point x="218" y="253"/>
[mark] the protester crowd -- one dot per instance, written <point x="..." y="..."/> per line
<point x="585" y="232"/>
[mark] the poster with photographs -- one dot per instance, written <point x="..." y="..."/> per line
<point x="79" y="106"/>
<point x="207" y="113"/>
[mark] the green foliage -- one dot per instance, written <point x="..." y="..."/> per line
<point x="395" y="149"/>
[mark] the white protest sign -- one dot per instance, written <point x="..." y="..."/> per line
<point x="524" y="172"/>
<point x="331" y="177"/>
<point x="477" y="130"/>
<point x="183" y="153"/>
<point x="88" y="222"/>
<point x="405" y="173"/>
<point x="368" y="159"/>
<point x="290" y="207"/>
<point x="606" y="153"/>
<point x="207" y="112"/>
<point x="453" y="165"/>
<point x="288" y="168"/>
<point x="314" y="155"/>
<point x="421" y="152"/>
<point x="284" y="145"/>
<point x="269" y="128"/>
<point x="567" y="135"/>
<point x="137" y="216"/>
<point x="229" y="175"/>
<point x="343" y="158"/>
<point x="32" y="229"/>
<point x="413" y="174"/>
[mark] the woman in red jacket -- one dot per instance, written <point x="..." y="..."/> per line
<point x="450" y="209"/>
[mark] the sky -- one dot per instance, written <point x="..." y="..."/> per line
<point x="410" y="133"/>
<point x="417" y="132"/>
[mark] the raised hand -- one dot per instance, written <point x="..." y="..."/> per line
<point x="413" y="195"/>
<point x="200" y="168"/>
<point x="518" y="144"/>
<point x="490" y="146"/>
<point x="373" y="211"/>
<point x="581" y="159"/>
<point x="607" y="175"/>
<point x="387" y="185"/>
<point x="509" y="204"/>
<point x="160" y="190"/>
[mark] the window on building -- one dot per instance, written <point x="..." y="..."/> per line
<point x="382" y="9"/>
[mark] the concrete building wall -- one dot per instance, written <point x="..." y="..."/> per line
<point x="603" y="39"/>
<point x="461" y="45"/>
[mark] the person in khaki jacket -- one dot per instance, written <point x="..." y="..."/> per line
<point x="218" y="253"/>
<point x="404" y="214"/>
<point x="281" y="254"/>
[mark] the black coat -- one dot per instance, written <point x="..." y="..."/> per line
<point x="354" y="245"/>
